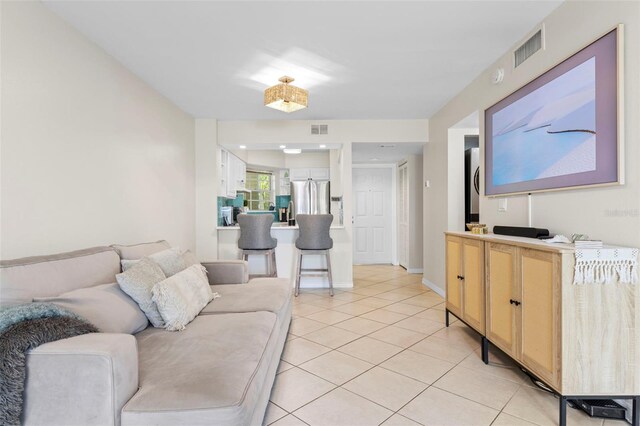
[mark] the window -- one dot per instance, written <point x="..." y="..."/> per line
<point x="260" y="187"/>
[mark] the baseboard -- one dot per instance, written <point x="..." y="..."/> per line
<point x="415" y="270"/>
<point x="433" y="287"/>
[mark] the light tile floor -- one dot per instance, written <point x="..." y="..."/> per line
<point x="380" y="354"/>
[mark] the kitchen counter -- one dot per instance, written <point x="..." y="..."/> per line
<point x="274" y="227"/>
<point x="286" y="254"/>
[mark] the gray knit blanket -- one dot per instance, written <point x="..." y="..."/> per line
<point x="23" y="328"/>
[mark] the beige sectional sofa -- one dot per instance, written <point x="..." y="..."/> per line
<point x="219" y="370"/>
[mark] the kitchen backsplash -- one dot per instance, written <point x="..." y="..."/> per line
<point x="282" y="201"/>
<point x="228" y="202"/>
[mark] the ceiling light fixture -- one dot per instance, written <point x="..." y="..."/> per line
<point x="323" y="146"/>
<point x="285" y="97"/>
<point x="292" y="150"/>
<point x="283" y="146"/>
<point x="243" y="147"/>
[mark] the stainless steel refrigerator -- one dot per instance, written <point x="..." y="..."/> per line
<point x="311" y="197"/>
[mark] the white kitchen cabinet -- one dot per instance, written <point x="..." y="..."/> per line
<point x="317" y="173"/>
<point x="233" y="172"/>
<point x="240" y="174"/>
<point x="285" y="182"/>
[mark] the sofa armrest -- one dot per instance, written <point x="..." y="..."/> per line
<point x="82" y="380"/>
<point x="227" y="271"/>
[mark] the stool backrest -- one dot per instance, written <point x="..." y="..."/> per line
<point x="255" y="232"/>
<point x="314" y="231"/>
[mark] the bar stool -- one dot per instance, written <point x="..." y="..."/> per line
<point x="255" y="239"/>
<point x="314" y="239"/>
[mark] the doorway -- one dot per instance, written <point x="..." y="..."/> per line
<point x="372" y="216"/>
<point x="403" y="216"/>
<point x="464" y="173"/>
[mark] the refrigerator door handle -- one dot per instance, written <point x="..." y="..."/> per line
<point x="313" y="197"/>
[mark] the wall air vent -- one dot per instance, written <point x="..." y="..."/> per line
<point x="319" y="129"/>
<point x="529" y="47"/>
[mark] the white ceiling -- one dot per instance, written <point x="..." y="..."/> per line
<point x="384" y="153"/>
<point x="359" y="60"/>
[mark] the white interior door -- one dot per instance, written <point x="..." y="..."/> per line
<point x="372" y="193"/>
<point x="403" y="216"/>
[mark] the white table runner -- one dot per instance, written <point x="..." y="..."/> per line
<point x="606" y="265"/>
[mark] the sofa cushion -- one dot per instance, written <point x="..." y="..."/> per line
<point x="106" y="306"/>
<point x="138" y="251"/>
<point x="137" y="282"/>
<point x="213" y="372"/>
<point x="259" y="294"/>
<point x="181" y="297"/>
<point x="43" y="276"/>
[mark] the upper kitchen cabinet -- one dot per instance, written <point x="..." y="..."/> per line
<point x="233" y="173"/>
<point x="317" y="173"/>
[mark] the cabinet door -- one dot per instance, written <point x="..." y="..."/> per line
<point x="540" y="310"/>
<point x="501" y="289"/>
<point x="319" y="173"/>
<point x="454" y="270"/>
<point x="224" y="160"/>
<point x="241" y="174"/>
<point x="473" y="283"/>
<point x="299" y="174"/>
<point x="231" y="175"/>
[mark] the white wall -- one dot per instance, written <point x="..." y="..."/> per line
<point x="299" y="131"/>
<point x="568" y="29"/>
<point x="90" y="154"/>
<point x="414" y="170"/>
<point x="265" y="157"/>
<point x="207" y="188"/>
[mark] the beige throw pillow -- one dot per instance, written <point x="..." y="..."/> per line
<point x="137" y="282"/>
<point x="171" y="261"/>
<point x="105" y="306"/>
<point x="180" y="298"/>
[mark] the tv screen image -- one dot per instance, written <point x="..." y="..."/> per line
<point x="560" y="130"/>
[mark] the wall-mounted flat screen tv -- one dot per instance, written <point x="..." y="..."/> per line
<point x="562" y="129"/>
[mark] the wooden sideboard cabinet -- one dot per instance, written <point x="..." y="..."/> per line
<point x="523" y="307"/>
<point x="518" y="294"/>
<point x="465" y="281"/>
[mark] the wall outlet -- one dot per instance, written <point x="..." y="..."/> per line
<point x="427" y="184"/>
<point x="502" y="205"/>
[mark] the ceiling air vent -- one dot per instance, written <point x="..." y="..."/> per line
<point x="319" y="129"/>
<point x="528" y="48"/>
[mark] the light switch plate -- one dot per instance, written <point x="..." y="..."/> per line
<point x="502" y="205"/>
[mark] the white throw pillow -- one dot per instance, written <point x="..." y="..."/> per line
<point x="171" y="261"/>
<point x="137" y="281"/>
<point x="180" y="298"/>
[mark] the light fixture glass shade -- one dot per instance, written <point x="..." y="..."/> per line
<point x="292" y="150"/>
<point x="285" y="97"/>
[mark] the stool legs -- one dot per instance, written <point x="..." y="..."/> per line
<point x="274" y="270"/>
<point x="298" y="272"/>
<point x="326" y="253"/>
<point x="326" y="272"/>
